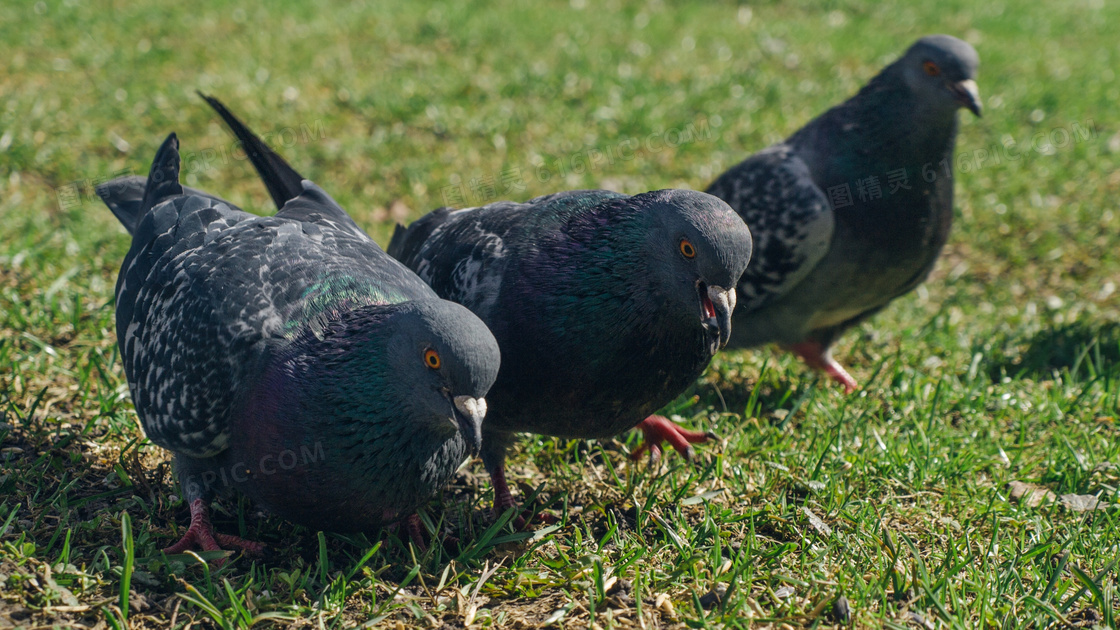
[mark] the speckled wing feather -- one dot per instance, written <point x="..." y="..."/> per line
<point x="789" y="217"/>
<point x="473" y="239"/>
<point x="463" y="254"/>
<point x="201" y="275"/>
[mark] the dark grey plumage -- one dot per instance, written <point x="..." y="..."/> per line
<point x="605" y="306"/>
<point x="852" y="210"/>
<point x="290" y="357"/>
<point x="125" y="196"/>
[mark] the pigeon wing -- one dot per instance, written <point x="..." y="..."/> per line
<point x="789" y="216"/>
<point x="462" y="254"/>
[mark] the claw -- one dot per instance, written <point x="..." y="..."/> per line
<point x="658" y="429"/>
<point x="201" y="534"/>
<point x="417" y="534"/>
<point x="415" y="530"/>
<point x="820" y="358"/>
<point x="503" y="500"/>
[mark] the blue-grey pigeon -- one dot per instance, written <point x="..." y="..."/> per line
<point x="851" y="211"/>
<point x="290" y="358"/>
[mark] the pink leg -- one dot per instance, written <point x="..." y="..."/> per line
<point x="201" y="534"/>
<point x="503" y="500"/>
<point x="658" y="429"/>
<point x="415" y="530"/>
<point x="820" y="358"/>
<point x="413" y="527"/>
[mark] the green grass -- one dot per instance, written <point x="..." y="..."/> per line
<point x="1004" y="366"/>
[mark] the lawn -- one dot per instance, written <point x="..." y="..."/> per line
<point x="902" y="505"/>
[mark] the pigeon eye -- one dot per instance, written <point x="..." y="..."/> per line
<point x="687" y="249"/>
<point x="931" y="68"/>
<point x="431" y="359"/>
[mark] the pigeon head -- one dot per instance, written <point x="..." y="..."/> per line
<point x="448" y="360"/>
<point x="697" y="249"/>
<point x="431" y="361"/>
<point x="941" y="70"/>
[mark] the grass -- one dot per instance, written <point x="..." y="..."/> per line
<point x="1003" y="367"/>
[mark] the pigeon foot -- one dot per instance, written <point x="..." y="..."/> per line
<point x="415" y="530"/>
<point x="820" y="358"/>
<point x="417" y="534"/>
<point x="503" y="500"/>
<point x="658" y="429"/>
<point x="201" y="534"/>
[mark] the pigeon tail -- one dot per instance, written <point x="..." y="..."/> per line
<point x="124" y="195"/>
<point x="296" y="198"/>
<point x="163" y="179"/>
<point x="407" y="241"/>
<point x="281" y="180"/>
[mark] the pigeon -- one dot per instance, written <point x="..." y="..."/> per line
<point x="606" y="306"/>
<point x="852" y="210"/>
<point x="291" y="359"/>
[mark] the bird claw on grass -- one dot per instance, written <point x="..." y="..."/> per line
<point x="415" y="530"/>
<point x="503" y="502"/>
<point x="201" y="534"/>
<point x="417" y="534"/>
<point x="520" y="522"/>
<point x="820" y="358"/>
<point x="658" y="429"/>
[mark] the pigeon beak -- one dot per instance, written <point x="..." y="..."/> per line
<point x="470" y="412"/>
<point x="967" y="94"/>
<point x="718" y="304"/>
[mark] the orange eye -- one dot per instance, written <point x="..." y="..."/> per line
<point x="931" y="68"/>
<point x="687" y="249"/>
<point x="431" y="359"/>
